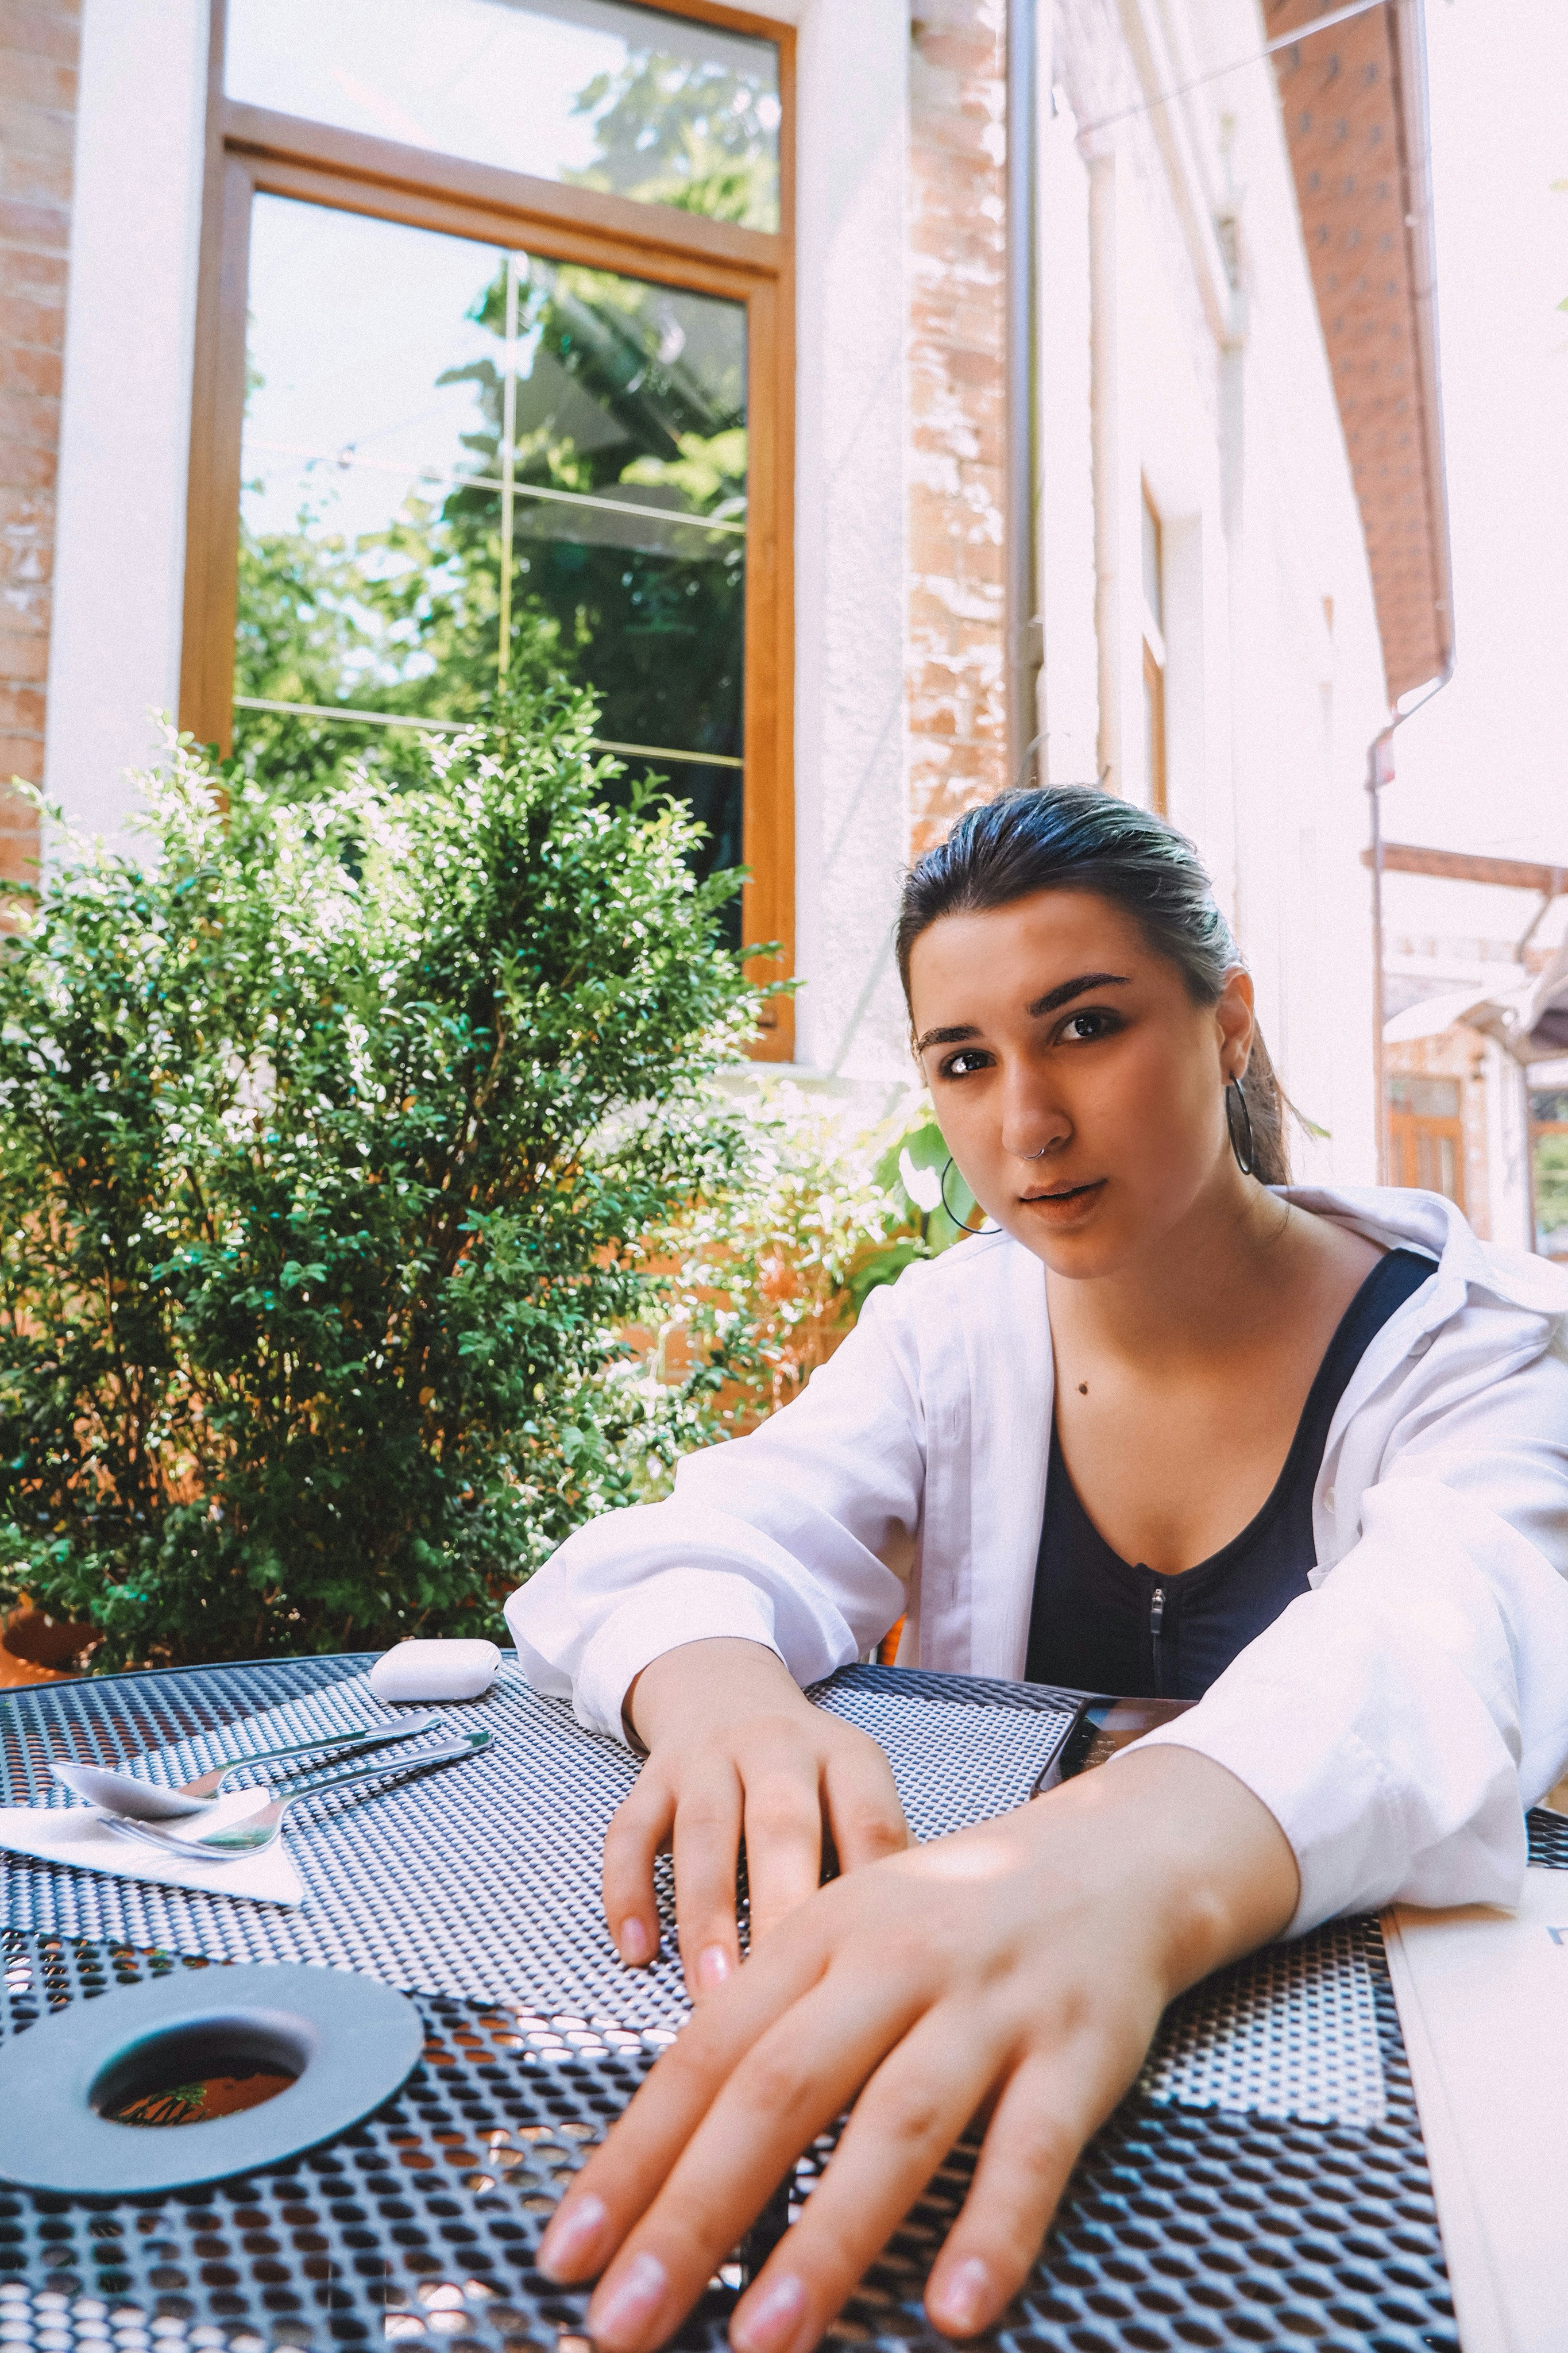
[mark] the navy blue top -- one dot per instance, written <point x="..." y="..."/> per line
<point x="1101" y="1624"/>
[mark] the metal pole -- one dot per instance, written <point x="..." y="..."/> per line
<point x="508" y="468"/>
<point x="1379" y="772"/>
<point x="1024" y="645"/>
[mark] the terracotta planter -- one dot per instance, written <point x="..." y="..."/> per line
<point x="38" y="1648"/>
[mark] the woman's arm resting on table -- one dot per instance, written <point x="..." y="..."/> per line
<point x="735" y="1749"/>
<point x="1017" y="1968"/>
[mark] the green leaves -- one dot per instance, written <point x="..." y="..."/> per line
<point x="329" y="1140"/>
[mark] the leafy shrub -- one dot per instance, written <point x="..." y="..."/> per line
<point x="769" y="1279"/>
<point x="329" y="1139"/>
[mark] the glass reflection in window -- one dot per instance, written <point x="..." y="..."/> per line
<point x="459" y="460"/>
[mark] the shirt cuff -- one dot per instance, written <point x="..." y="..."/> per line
<point x="1337" y="1811"/>
<point x="676" y="1607"/>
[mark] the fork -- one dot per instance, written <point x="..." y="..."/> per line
<point x="262" y="1829"/>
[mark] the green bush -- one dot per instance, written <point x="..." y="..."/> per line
<point x="331" y="1138"/>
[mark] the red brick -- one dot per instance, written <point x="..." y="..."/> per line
<point x="40" y="276"/>
<point x="22" y="755"/>
<point x="34" y="131"/>
<point x="27" y="466"/>
<point x="35" y="179"/>
<point x="32" y="421"/>
<point x="43" y="228"/>
<point x="39" y="325"/>
<point x="23" y="655"/>
<point x="40" y="81"/>
<point x="26" y="563"/>
<point x="22" y="709"/>
<point x="41" y="31"/>
<point x="27" y="370"/>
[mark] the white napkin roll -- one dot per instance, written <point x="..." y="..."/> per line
<point x="450" y="1670"/>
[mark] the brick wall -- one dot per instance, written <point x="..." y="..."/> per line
<point x="38" y="48"/>
<point x="956" y="712"/>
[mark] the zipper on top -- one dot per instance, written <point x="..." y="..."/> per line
<point x="1156" y="1620"/>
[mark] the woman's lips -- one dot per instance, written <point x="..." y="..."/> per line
<point x="1066" y="1202"/>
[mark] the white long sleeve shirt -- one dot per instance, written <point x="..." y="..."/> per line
<point x="1396" y="1721"/>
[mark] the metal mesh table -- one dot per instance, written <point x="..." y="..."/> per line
<point x="1263" y="2185"/>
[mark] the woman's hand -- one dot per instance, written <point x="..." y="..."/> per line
<point x="735" y="1749"/>
<point x="1017" y="1968"/>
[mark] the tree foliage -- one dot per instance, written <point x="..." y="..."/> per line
<point x="332" y="1141"/>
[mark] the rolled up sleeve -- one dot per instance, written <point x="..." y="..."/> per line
<point x="1397" y="1721"/>
<point x="801" y="1535"/>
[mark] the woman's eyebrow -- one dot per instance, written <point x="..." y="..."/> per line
<point x="1063" y="995"/>
<point x="946" y="1037"/>
<point x="1071" y="989"/>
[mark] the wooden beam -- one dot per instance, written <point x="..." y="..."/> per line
<point x="1462" y="866"/>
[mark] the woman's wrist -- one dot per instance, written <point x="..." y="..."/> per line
<point x="697" y="1682"/>
<point x="1209" y="1874"/>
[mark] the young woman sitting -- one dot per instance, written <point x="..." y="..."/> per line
<point x="1172" y="1428"/>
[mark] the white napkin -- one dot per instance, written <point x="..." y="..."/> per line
<point x="77" y="1836"/>
<point x="1483" y="2005"/>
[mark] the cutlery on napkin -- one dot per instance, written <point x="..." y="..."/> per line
<point x="76" y="1836"/>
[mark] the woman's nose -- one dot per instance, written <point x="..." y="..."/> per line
<point x="1032" y="1126"/>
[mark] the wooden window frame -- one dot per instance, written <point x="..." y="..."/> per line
<point x="252" y="151"/>
<point x="1407" y="1128"/>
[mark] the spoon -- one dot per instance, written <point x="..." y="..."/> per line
<point x="142" y="1801"/>
<point x="255" y="1833"/>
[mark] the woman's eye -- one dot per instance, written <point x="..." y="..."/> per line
<point x="967" y="1059"/>
<point x="1080" y="1028"/>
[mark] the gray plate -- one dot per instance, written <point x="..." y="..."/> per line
<point x="352" y="2042"/>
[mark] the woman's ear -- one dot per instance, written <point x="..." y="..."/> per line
<point x="1236" y="1022"/>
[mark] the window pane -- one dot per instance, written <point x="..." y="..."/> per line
<point x="385" y="534"/>
<point x="1425" y="1098"/>
<point x="1552" y="1195"/>
<point x="589" y="92"/>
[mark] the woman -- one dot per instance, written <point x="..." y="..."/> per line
<point x="1302" y="1456"/>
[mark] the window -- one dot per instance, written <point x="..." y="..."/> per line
<point x="1153" y="657"/>
<point x="493" y="379"/>
<point x="1549" y="1168"/>
<point x="1426" y="1135"/>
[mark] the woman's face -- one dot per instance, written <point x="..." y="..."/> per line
<point x="1080" y="1090"/>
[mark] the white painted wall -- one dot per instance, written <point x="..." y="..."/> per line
<point x="114" y="654"/>
<point x="851" y="769"/>
<point x="1218" y="394"/>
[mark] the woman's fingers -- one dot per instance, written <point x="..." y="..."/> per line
<point x="784" y="1839"/>
<point x="622" y="2179"/>
<point x="707" y="1846"/>
<point x="801" y="2072"/>
<point x="638" y="1832"/>
<point x="862" y="1806"/>
<point x="1046" y="2112"/>
<point x="906" y="2120"/>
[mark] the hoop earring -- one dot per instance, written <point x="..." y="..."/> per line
<point x="952" y="1212"/>
<point x="1246" y="1161"/>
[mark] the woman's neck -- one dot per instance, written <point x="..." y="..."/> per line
<point x="1217" y="1280"/>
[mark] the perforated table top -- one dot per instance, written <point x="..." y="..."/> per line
<point x="1264" y="2184"/>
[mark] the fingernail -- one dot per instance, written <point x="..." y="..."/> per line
<point x="963" y="2301"/>
<point x="629" y="2300"/>
<point x="568" y="2246"/>
<point x="634" y="1943"/>
<point x="712" y="1968"/>
<point x="772" y="2319"/>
